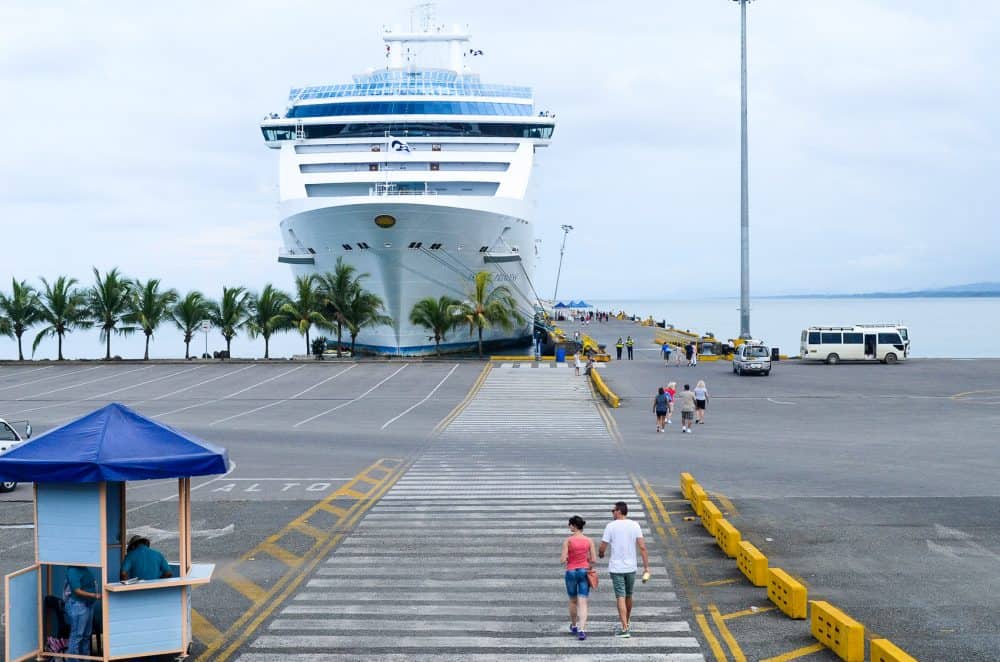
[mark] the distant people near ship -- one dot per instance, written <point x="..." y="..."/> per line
<point x="689" y="353"/>
<point x="694" y="353"/>
<point x="618" y="348"/>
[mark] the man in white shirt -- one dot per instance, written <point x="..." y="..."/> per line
<point x="623" y="535"/>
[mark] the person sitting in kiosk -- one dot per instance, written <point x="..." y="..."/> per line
<point x="143" y="562"/>
<point x="80" y="594"/>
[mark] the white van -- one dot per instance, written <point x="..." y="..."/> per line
<point x="887" y="343"/>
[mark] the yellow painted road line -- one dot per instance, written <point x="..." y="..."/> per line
<point x="713" y="643"/>
<point x="795" y="654"/>
<point x="282" y="554"/>
<point x="753" y="611"/>
<point x="203" y="630"/>
<point x="730" y="640"/>
<point x="720" y="582"/>
<point x="460" y="407"/>
<point x="726" y="504"/>
<point x="266" y="602"/>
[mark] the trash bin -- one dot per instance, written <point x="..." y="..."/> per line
<point x="560" y="355"/>
<point x="775" y="354"/>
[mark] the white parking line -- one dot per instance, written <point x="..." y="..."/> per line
<point x="231" y="395"/>
<point x="45" y="379"/>
<point x="101" y="395"/>
<point x="206" y="381"/>
<point x="280" y="402"/>
<point x="433" y="391"/>
<point x="92" y="381"/>
<point x="17" y="373"/>
<point x="344" y="404"/>
<point x="232" y="468"/>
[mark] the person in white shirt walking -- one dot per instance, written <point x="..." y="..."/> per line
<point x="624" y="535"/>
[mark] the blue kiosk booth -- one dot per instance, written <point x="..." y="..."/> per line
<point x="80" y="471"/>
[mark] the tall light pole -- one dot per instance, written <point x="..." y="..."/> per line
<point x="562" y="251"/>
<point x="744" y="183"/>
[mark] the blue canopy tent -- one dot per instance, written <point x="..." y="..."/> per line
<point x="560" y="305"/>
<point x="80" y="471"/>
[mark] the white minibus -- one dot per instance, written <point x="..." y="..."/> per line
<point x="887" y="343"/>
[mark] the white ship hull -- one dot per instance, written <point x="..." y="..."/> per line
<point x="401" y="275"/>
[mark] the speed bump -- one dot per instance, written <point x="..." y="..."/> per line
<point x="838" y="631"/>
<point x="727" y="536"/>
<point x="884" y="650"/>
<point x="752" y="563"/>
<point x="687" y="480"/>
<point x="710" y="513"/>
<point x="698" y="496"/>
<point x="786" y="593"/>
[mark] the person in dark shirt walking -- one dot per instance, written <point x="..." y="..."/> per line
<point x="618" y="347"/>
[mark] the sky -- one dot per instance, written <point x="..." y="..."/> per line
<point x="131" y="137"/>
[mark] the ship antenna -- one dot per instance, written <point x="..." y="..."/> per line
<point x="425" y="13"/>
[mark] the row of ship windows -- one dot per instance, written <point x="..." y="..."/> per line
<point x="306" y="168"/>
<point x="364" y="245"/>
<point x="414" y="147"/>
<point x="408" y="129"/>
<point x="347" y="189"/>
<point x="410" y="108"/>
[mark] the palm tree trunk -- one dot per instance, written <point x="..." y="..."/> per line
<point x="146" y="355"/>
<point x="437" y="345"/>
<point x="187" y="349"/>
<point x="308" y="348"/>
<point x="107" y="351"/>
<point x="20" y="354"/>
<point x="340" y="331"/>
<point x="60" y="346"/>
<point x="353" y="338"/>
<point x="229" y="341"/>
<point x="267" y="341"/>
<point x="480" y="342"/>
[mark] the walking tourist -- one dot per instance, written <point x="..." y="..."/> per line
<point x="618" y="347"/>
<point x="628" y="344"/>
<point x="694" y="353"/>
<point x="623" y="535"/>
<point x="576" y="363"/>
<point x="689" y="353"/>
<point x="661" y="404"/>
<point x="687" y="408"/>
<point x="666" y="349"/>
<point x="578" y="556"/>
<point x="671" y="390"/>
<point x="79" y="595"/>
<point x="700" y="401"/>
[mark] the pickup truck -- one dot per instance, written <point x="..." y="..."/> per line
<point x="9" y="438"/>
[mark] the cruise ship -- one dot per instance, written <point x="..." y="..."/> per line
<point x="418" y="175"/>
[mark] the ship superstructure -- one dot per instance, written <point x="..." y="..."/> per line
<point x="415" y="175"/>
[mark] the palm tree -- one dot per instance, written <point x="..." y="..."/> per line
<point x="439" y="316"/>
<point x="20" y="309"/>
<point x="304" y="310"/>
<point x="489" y="305"/>
<point x="337" y="289"/>
<point x="188" y="313"/>
<point x="109" y="300"/>
<point x="63" y="308"/>
<point x="150" y="307"/>
<point x="364" y="309"/>
<point x="230" y="313"/>
<point x="266" y="315"/>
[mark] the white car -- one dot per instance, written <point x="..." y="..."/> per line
<point x="9" y="438"/>
<point x="752" y="357"/>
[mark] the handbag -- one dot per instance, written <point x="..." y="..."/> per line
<point x="592" y="578"/>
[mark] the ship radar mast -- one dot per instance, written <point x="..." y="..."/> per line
<point x="424" y="30"/>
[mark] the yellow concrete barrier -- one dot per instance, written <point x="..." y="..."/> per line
<point x="727" y="536"/>
<point x="698" y="496"/>
<point x="687" y="480"/>
<point x="838" y="631"/>
<point x="752" y="563"/>
<point x="788" y="595"/>
<point x="609" y="396"/>
<point x="710" y="514"/>
<point x="884" y="650"/>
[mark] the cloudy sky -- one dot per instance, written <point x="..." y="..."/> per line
<point x="131" y="137"/>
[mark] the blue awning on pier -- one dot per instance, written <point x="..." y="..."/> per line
<point x="114" y="443"/>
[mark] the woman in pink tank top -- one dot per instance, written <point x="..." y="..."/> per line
<point x="578" y="555"/>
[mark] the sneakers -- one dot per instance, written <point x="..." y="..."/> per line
<point x="572" y="628"/>
<point x="669" y="422"/>
<point x="623" y="634"/>
<point x="581" y="635"/>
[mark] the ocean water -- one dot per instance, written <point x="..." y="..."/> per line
<point x="939" y="327"/>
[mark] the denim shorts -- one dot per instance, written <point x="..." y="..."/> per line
<point x="577" y="584"/>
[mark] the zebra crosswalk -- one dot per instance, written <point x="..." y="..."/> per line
<point x="460" y="559"/>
